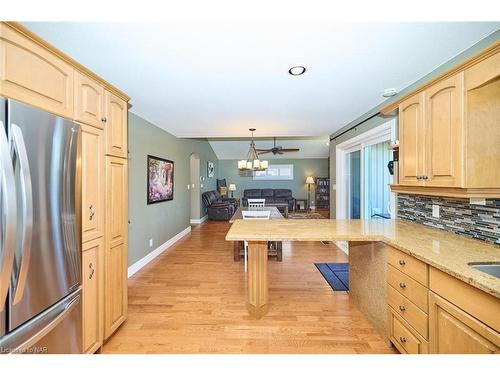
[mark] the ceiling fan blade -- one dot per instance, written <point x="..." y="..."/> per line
<point x="263" y="149"/>
<point x="290" y="149"/>
<point x="263" y="152"/>
<point x="280" y="152"/>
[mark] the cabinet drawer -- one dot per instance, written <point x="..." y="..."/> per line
<point x="404" y="338"/>
<point x="415" y="292"/>
<point x="33" y="75"/>
<point x="408" y="311"/>
<point x="408" y="265"/>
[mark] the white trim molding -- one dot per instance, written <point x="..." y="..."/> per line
<point x="198" y="221"/>
<point x="156" y="252"/>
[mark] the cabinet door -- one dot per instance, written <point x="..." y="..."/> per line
<point x="444" y="114"/>
<point x="89" y="101"/>
<point x="92" y="183"/>
<point x="116" y="245"/>
<point x="31" y="74"/>
<point x="453" y="331"/>
<point x="92" y="295"/>
<point x="411" y="139"/>
<point x="116" y="126"/>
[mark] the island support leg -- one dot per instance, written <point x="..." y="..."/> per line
<point x="257" y="278"/>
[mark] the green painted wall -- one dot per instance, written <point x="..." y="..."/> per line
<point x="302" y="168"/>
<point x="160" y="221"/>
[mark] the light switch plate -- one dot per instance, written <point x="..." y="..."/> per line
<point x="150" y="242"/>
<point x="435" y="210"/>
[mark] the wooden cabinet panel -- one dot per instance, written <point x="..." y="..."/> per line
<point x="407" y="310"/>
<point x="444" y="115"/>
<point x="408" y="265"/>
<point x="115" y="288"/>
<point x="116" y="126"/>
<point x="92" y="283"/>
<point x="116" y="200"/>
<point x="414" y="291"/>
<point x="31" y="74"/>
<point x="406" y="339"/>
<point x="93" y="183"/>
<point x="482" y="97"/>
<point x="453" y="331"/>
<point x="411" y="138"/>
<point x="116" y="244"/>
<point x="89" y="101"/>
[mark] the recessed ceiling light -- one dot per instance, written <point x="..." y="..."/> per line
<point x="389" y="92"/>
<point x="297" y="70"/>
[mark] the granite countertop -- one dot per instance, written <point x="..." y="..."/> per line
<point x="445" y="251"/>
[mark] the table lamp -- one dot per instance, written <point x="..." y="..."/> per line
<point x="232" y="188"/>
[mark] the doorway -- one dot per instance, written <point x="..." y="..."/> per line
<point x="363" y="177"/>
<point x="194" y="186"/>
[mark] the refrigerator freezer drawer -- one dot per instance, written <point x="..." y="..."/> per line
<point x="56" y="331"/>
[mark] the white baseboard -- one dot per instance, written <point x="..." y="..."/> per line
<point x="160" y="249"/>
<point x="199" y="221"/>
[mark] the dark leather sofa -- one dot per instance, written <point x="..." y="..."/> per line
<point x="218" y="207"/>
<point x="270" y="195"/>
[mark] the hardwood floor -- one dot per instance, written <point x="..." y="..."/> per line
<point x="191" y="299"/>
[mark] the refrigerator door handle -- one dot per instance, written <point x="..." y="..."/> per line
<point x="9" y="200"/>
<point x="27" y="211"/>
<point x="48" y="328"/>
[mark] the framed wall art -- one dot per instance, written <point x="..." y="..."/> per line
<point x="160" y="180"/>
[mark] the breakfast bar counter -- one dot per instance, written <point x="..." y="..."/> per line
<point x="445" y="251"/>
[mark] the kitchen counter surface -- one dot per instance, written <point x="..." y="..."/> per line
<point x="445" y="251"/>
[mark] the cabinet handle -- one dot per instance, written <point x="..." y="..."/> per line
<point x="425" y="178"/>
<point x="91" y="271"/>
<point x="402" y="262"/>
<point x="92" y="212"/>
<point x="402" y="339"/>
<point x="402" y="308"/>
<point x="104" y="119"/>
<point x="419" y="177"/>
<point x="402" y="285"/>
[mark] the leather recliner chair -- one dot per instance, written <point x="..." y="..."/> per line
<point x="218" y="208"/>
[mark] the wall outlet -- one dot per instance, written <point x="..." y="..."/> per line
<point x="435" y="210"/>
<point x="201" y="186"/>
<point x="478" y="201"/>
<point x="150" y="242"/>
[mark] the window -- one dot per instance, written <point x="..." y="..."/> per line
<point x="275" y="172"/>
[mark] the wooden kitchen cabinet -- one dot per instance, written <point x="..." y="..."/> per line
<point x="444" y="114"/>
<point x="31" y="74"/>
<point x="92" y="282"/>
<point x="411" y="140"/>
<point x="93" y="183"/>
<point x="89" y="101"/>
<point x="453" y="331"/>
<point x="115" y="125"/>
<point x="115" y="288"/>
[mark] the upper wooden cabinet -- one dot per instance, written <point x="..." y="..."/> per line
<point x="89" y="101"/>
<point x="31" y="74"/>
<point x="444" y="127"/>
<point x="449" y="134"/>
<point x="411" y="138"/>
<point x="115" y="125"/>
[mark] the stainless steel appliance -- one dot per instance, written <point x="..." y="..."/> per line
<point x="40" y="254"/>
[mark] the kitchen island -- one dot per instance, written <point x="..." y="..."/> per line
<point x="368" y="239"/>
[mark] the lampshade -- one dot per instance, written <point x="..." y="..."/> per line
<point x="264" y="164"/>
<point x="310" y="180"/>
<point x="232" y="187"/>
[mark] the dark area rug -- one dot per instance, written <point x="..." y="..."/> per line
<point x="335" y="274"/>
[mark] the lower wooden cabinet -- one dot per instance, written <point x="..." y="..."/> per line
<point x="404" y="337"/>
<point x="92" y="275"/>
<point x="453" y="331"/>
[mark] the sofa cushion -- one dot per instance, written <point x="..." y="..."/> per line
<point x="252" y="193"/>
<point x="282" y="193"/>
<point x="267" y="193"/>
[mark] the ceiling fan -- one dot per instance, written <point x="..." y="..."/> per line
<point x="276" y="149"/>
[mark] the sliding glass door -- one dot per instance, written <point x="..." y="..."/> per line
<point x="353" y="180"/>
<point x="376" y="181"/>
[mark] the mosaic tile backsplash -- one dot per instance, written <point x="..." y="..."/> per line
<point x="456" y="215"/>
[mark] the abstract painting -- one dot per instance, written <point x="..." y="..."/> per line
<point x="160" y="180"/>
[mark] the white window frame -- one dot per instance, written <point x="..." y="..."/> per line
<point x="279" y="177"/>
<point x="382" y="133"/>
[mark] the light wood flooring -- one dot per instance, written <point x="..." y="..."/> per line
<point x="191" y="299"/>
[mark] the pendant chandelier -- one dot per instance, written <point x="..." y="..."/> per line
<point x="252" y="162"/>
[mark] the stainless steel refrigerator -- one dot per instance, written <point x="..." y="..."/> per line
<point x="40" y="252"/>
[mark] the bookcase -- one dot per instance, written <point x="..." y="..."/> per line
<point x="322" y="192"/>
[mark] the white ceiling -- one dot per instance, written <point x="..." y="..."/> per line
<point x="310" y="148"/>
<point x="217" y="79"/>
